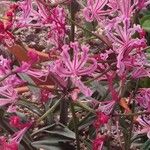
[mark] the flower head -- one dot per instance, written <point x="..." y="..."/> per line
<point x="143" y="98"/>
<point x="145" y="126"/>
<point x="95" y="10"/>
<point x="12" y="143"/>
<point x="98" y="143"/>
<point x="101" y="119"/>
<point x="80" y="65"/>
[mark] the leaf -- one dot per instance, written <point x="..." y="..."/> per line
<point x="30" y="106"/>
<point x="88" y="144"/>
<point x="145" y="22"/>
<point x="146" y="145"/>
<point x="86" y="122"/>
<point x="56" y="129"/>
<point x="53" y="143"/>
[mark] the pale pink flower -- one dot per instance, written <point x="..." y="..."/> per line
<point x="5" y="66"/>
<point x="7" y="95"/>
<point x="12" y="143"/>
<point x="106" y="107"/>
<point x="95" y="10"/>
<point x="146" y="126"/>
<point x="124" y="45"/>
<point x="143" y="98"/>
<point x="40" y="74"/>
<point x="125" y="8"/>
<point x="140" y="72"/>
<point x="80" y="65"/>
<point x="143" y="3"/>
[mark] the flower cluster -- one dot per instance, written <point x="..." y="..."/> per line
<point x="78" y="67"/>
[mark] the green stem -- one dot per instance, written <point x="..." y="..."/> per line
<point x="97" y="77"/>
<point x="101" y="37"/>
<point x="85" y="107"/>
<point x="49" y="111"/>
<point x="75" y="125"/>
<point x="133" y="114"/>
<point x="133" y="110"/>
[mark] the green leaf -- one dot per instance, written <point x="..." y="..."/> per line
<point x="56" y="129"/>
<point x="145" y="22"/>
<point x="52" y="143"/>
<point x="146" y="145"/>
<point x="30" y="106"/>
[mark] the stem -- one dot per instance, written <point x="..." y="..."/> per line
<point x="95" y="78"/>
<point x="133" y="110"/>
<point x="75" y="125"/>
<point x="133" y="114"/>
<point x="101" y="37"/>
<point x="72" y="15"/>
<point x="49" y="111"/>
<point x="85" y="107"/>
<point x="64" y="111"/>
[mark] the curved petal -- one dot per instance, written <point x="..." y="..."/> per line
<point x="84" y="57"/>
<point x="66" y="57"/>
<point x="84" y="89"/>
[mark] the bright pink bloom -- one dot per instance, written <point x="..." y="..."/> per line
<point x="13" y="143"/>
<point x="57" y="23"/>
<point x="95" y="10"/>
<point x="45" y="95"/>
<point x="98" y="143"/>
<point x="100" y="120"/>
<point x="76" y="67"/>
<point x="15" y="121"/>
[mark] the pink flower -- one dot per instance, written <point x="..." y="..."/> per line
<point x="124" y="8"/>
<point x="7" y="95"/>
<point x="40" y="74"/>
<point x="5" y="66"/>
<point x="33" y="57"/>
<point x="77" y="67"/>
<point x="95" y="10"/>
<point x="106" y="107"/>
<point x="98" y="143"/>
<point x="143" y="3"/>
<point x="146" y="126"/>
<point x="6" y="37"/>
<point x="143" y="98"/>
<point x="12" y="143"/>
<point x="45" y="95"/>
<point x="140" y="72"/>
<point x="101" y="119"/>
<point x="57" y="23"/>
<point x="15" y="121"/>
<point x="125" y="46"/>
